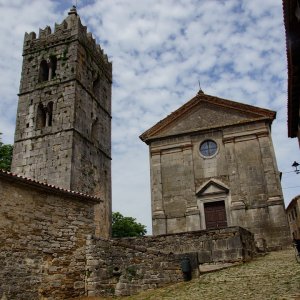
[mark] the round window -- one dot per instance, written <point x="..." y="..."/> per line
<point x="208" y="148"/>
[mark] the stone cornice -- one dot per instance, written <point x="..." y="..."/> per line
<point x="255" y="113"/>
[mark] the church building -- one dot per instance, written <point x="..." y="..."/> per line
<point x="213" y="165"/>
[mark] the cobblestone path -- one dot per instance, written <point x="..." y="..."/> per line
<point x="274" y="276"/>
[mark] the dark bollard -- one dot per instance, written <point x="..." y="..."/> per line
<point x="186" y="269"/>
<point x="297" y="245"/>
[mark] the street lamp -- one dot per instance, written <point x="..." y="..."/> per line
<point x="295" y="165"/>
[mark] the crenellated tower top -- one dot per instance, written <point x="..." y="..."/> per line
<point x="71" y="49"/>
<point x="71" y="28"/>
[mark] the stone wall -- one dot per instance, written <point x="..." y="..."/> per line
<point x="42" y="240"/>
<point x="120" y="267"/>
<point x="231" y="244"/>
<point x="129" y="265"/>
<point x="48" y="251"/>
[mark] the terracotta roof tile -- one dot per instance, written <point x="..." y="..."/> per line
<point x="46" y="186"/>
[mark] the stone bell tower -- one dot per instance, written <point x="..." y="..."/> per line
<point x="63" y="130"/>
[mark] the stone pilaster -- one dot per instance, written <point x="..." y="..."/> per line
<point x="272" y="182"/>
<point x="189" y="180"/>
<point x="193" y="221"/>
<point x="158" y="215"/>
<point x="192" y="211"/>
<point x="233" y="174"/>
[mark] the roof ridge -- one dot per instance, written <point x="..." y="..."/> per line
<point x="263" y="112"/>
<point x="249" y="106"/>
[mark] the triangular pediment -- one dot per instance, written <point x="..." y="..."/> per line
<point x="212" y="187"/>
<point x="206" y="112"/>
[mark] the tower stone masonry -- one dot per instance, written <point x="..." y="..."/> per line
<point x="63" y="127"/>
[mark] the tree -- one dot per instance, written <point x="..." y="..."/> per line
<point x="5" y="155"/>
<point x="126" y="226"/>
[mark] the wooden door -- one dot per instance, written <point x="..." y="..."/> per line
<point x="215" y="214"/>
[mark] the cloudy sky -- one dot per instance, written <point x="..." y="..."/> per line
<point x="160" y="49"/>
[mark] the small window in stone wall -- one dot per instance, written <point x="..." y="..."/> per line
<point x="40" y="116"/>
<point x="44" y="71"/>
<point x="95" y="130"/>
<point x="105" y="93"/>
<point x="48" y="69"/>
<point x="96" y="86"/>
<point x="44" y="115"/>
<point x="208" y="148"/>
<point x="52" y="66"/>
<point x="49" y="113"/>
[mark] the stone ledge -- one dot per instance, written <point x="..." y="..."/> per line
<point x="206" y="268"/>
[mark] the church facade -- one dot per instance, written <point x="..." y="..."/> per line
<point x="212" y="166"/>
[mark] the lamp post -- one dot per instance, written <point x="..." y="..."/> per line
<point x="295" y="165"/>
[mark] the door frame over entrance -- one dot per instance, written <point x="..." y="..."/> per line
<point x="217" y="213"/>
<point x="213" y="191"/>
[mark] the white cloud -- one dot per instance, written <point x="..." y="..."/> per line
<point x="160" y="49"/>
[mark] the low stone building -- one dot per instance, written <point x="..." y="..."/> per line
<point x="293" y="213"/>
<point x="43" y="232"/>
<point x="213" y="165"/>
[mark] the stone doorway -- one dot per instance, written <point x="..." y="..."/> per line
<point x="215" y="214"/>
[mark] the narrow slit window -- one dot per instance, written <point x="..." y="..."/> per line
<point x="96" y="86"/>
<point x="50" y="113"/>
<point x="95" y="130"/>
<point x="44" y="71"/>
<point x="53" y="65"/>
<point x="40" y="117"/>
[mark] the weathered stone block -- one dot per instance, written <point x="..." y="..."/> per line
<point x="79" y="285"/>
<point x="221" y="244"/>
<point x="217" y="255"/>
<point x="204" y="256"/>
<point x="234" y="242"/>
<point x="234" y="254"/>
